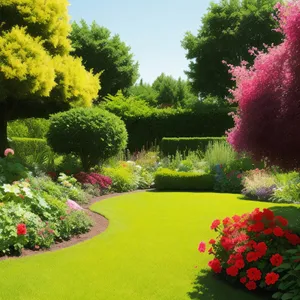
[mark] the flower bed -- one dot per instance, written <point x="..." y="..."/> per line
<point x="250" y="249"/>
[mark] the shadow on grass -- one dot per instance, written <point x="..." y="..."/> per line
<point x="208" y="286"/>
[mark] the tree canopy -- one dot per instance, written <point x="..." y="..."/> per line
<point x="104" y="53"/>
<point x="268" y="119"/>
<point x="228" y="29"/>
<point x="37" y="74"/>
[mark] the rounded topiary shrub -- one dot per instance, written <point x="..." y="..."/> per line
<point x="91" y="133"/>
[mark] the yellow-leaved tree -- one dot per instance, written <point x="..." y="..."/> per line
<point x="37" y="74"/>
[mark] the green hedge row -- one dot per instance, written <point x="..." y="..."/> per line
<point x="169" y="146"/>
<point x="166" y="179"/>
<point x="147" y="127"/>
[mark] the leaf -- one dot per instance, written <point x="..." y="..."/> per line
<point x="287" y="296"/>
<point x="277" y="295"/>
<point x="292" y="251"/>
<point x="285" y="285"/>
<point x="285" y="266"/>
<point x="298" y="267"/>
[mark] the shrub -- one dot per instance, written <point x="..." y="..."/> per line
<point x="33" y="152"/>
<point x="288" y="187"/>
<point x="219" y="153"/>
<point x="92" y="134"/>
<point x="248" y="247"/>
<point x="123" y="178"/>
<point x="166" y="179"/>
<point x="74" y="223"/>
<point x="169" y="146"/>
<point x="30" y="128"/>
<point x="227" y="181"/>
<point x="268" y="97"/>
<point x="259" y="184"/>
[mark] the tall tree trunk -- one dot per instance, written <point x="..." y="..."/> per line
<point x="3" y="128"/>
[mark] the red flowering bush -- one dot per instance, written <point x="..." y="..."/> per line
<point x="104" y="182"/>
<point x="250" y="247"/>
<point x="268" y="93"/>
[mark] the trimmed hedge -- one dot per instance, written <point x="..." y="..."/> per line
<point x="147" y="126"/>
<point x="166" y="179"/>
<point x="169" y="146"/>
<point x="29" y="147"/>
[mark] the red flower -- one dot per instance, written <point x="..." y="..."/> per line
<point x="282" y="221"/>
<point x="236" y="218"/>
<point x="261" y="248"/>
<point x="254" y="274"/>
<point x="226" y="221"/>
<point x="241" y="249"/>
<point x="232" y="271"/>
<point x="268" y="214"/>
<point x="243" y="280"/>
<point x="215" y="265"/>
<point x="240" y="264"/>
<point x="252" y="256"/>
<point x="251" y="285"/>
<point x="201" y="247"/>
<point x="215" y="224"/>
<point x="21" y="196"/>
<point x="271" y="278"/>
<point x="276" y="260"/>
<point x="278" y="231"/>
<point x="268" y="231"/>
<point x="212" y="242"/>
<point x="21" y="229"/>
<point x="292" y="238"/>
<point x="210" y="251"/>
<point x="259" y="226"/>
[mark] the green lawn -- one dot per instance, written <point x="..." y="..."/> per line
<point x="148" y="252"/>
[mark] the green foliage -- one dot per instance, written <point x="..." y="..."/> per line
<point x="173" y="92"/>
<point x="92" y="134"/>
<point x="219" y="153"/>
<point x="38" y="76"/>
<point x="169" y="146"/>
<point x="102" y="52"/>
<point x="144" y="92"/>
<point x="166" y="179"/>
<point x="228" y="30"/>
<point x="146" y="126"/>
<point x="30" y="128"/>
<point x="74" y="223"/>
<point x="123" y="178"/>
<point x="33" y="152"/>
<point x="289" y="283"/>
<point x="288" y="187"/>
<point x="11" y="170"/>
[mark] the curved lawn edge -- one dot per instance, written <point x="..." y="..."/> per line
<point x="100" y="224"/>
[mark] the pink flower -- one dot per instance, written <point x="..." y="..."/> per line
<point x="73" y="205"/>
<point x="9" y="151"/>
<point x="202" y="247"/>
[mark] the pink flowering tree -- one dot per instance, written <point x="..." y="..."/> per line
<point x="267" y="122"/>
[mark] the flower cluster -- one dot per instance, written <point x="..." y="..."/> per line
<point x="104" y="182"/>
<point x="250" y="246"/>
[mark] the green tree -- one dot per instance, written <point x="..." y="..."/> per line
<point x="144" y="91"/>
<point x="228" y="30"/>
<point x="107" y="54"/>
<point x="172" y="92"/>
<point x="37" y="74"/>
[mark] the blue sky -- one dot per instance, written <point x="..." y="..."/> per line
<point x="153" y="29"/>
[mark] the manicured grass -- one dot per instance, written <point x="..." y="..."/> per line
<point x="148" y="252"/>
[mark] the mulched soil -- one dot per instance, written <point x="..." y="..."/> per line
<point x="100" y="225"/>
